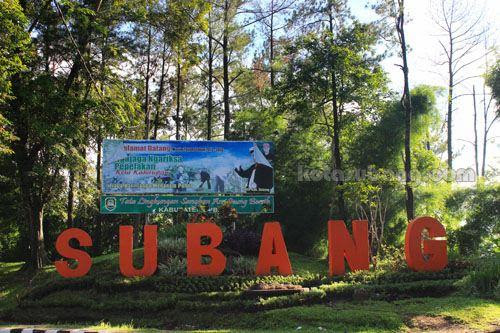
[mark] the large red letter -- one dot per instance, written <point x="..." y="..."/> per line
<point x="341" y="245"/>
<point x="433" y="256"/>
<point x="195" y="251"/>
<point x="150" y="251"/>
<point x="272" y="251"/>
<point x="64" y="249"/>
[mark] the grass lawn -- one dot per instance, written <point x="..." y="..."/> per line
<point x="454" y="312"/>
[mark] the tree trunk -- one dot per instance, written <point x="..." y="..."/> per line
<point x="210" y="81"/>
<point x="98" y="224"/>
<point x="83" y="46"/>
<point x="146" y="101"/>
<point x="485" y="138"/>
<point x="336" y="146"/>
<point x="406" y="101"/>
<point x="38" y="254"/>
<point x="271" y="46"/>
<point x="336" y="130"/>
<point x="485" y="134"/>
<point x="160" y="92"/>
<point x="71" y="195"/>
<point x="178" y="102"/>
<point x="450" y="106"/>
<point x="475" y="131"/>
<point x="225" y="65"/>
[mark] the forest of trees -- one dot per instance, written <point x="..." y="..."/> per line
<point x="305" y="74"/>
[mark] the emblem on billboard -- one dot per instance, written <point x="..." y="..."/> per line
<point x="110" y="204"/>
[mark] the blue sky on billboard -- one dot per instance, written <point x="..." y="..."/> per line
<point x="137" y="166"/>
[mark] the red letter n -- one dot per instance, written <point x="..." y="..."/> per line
<point x="150" y="251"/>
<point x="196" y="251"/>
<point x="341" y="245"/>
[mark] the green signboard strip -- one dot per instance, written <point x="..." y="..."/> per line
<point x="155" y="204"/>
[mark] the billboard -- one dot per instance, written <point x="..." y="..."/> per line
<point x="155" y="204"/>
<point x="187" y="167"/>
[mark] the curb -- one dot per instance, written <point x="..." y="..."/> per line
<point x="34" y="330"/>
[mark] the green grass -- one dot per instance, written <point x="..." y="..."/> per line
<point x="14" y="281"/>
<point x="12" y="284"/>
<point x="303" y="265"/>
<point x="125" y="309"/>
<point x="368" y="316"/>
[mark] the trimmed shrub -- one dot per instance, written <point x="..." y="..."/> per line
<point x="243" y="242"/>
<point x="390" y="291"/>
<point x="241" y="266"/>
<point x="173" y="266"/>
<point x="174" y="231"/>
<point x="171" y="247"/>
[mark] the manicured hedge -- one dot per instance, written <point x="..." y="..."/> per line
<point x="143" y="303"/>
<point x="389" y="291"/>
<point x="172" y="284"/>
<point x="153" y="301"/>
<point x="383" y="277"/>
<point x="111" y="283"/>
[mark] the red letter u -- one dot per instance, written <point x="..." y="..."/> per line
<point x="150" y="251"/>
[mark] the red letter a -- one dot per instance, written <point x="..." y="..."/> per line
<point x="341" y="245"/>
<point x="195" y="251"/>
<point x="150" y="251"/>
<point x="65" y="250"/>
<point x="273" y="251"/>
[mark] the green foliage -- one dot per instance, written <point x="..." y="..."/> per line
<point x="484" y="278"/>
<point x="390" y="291"/>
<point x="241" y="266"/>
<point x="480" y="208"/>
<point x="177" y="230"/>
<point x="172" y="247"/>
<point x="493" y="81"/>
<point x="242" y="241"/>
<point x="173" y="266"/>
<point x="380" y="143"/>
<point x="339" y="316"/>
<point x="104" y="293"/>
<point x="14" y="42"/>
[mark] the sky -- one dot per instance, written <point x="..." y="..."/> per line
<point x="421" y="33"/>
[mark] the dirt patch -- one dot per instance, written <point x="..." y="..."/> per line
<point x="436" y="324"/>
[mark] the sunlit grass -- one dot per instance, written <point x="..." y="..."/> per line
<point x="354" y="316"/>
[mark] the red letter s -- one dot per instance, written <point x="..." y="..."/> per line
<point x="65" y="250"/>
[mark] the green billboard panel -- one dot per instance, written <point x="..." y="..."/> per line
<point x="156" y="204"/>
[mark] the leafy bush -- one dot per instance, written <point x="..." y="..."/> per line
<point x="243" y="241"/>
<point x="226" y="215"/>
<point x="174" y="231"/>
<point x="484" y="279"/>
<point x="173" y="266"/>
<point x="171" y="247"/>
<point x="481" y="208"/>
<point x="391" y="258"/>
<point x="241" y="266"/>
